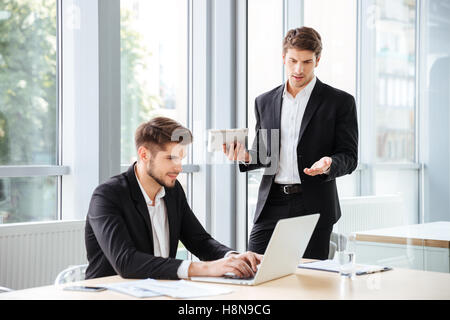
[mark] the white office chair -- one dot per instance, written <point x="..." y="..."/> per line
<point x="338" y="242"/>
<point x="71" y="274"/>
<point x="3" y="290"/>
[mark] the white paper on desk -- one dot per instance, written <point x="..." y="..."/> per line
<point x="185" y="289"/>
<point x="175" y="289"/>
<point x="333" y="266"/>
<point x="324" y="265"/>
<point x="133" y="288"/>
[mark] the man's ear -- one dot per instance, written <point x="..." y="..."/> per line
<point x="317" y="61"/>
<point x="143" y="153"/>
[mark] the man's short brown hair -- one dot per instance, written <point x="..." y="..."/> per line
<point x="158" y="132"/>
<point x="303" y="38"/>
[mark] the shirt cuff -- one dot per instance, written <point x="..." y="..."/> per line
<point x="230" y="252"/>
<point x="183" y="269"/>
<point x="249" y="160"/>
<point x="328" y="170"/>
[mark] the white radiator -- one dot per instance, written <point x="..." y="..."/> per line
<point x="33" y="254"/>
<point x="368" y="213"/>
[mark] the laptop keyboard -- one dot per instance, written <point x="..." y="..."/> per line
<point x="231" y="275"/>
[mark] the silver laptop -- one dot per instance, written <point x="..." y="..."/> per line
<point x="283" y="254"/>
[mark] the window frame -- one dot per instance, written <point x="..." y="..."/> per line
<point x="59" y="170"/>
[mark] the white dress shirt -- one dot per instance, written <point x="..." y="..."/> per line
<point x="160" y="228"/>
<point x="292" y="112"/>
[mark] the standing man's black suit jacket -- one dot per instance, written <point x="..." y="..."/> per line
<point x="329" y="128"/>
<point x="118" y="232"/>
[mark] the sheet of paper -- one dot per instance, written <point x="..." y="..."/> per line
<point x="175" y="289"/>
<point x="333" y="266"/>
<point x="325" y="265"/>
<point x="133" y="288"/>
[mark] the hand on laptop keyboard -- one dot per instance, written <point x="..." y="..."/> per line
<point x="243" y="265"/>
<point x="232" y="275"/>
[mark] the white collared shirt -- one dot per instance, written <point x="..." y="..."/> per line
<point x="292" y="112"/>
<point x="160" y="228"/>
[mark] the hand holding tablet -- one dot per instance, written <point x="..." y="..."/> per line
<point x="231" y="142"/>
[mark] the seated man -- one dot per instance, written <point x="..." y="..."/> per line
<point x="136" y="219"/>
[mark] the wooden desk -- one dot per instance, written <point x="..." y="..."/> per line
<point x="304" y="284"/>
<point x="420" y="246"/>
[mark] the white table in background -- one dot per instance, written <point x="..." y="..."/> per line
<point x="420" y="246"/>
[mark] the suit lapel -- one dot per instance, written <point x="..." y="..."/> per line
<point x="311" y="107"/>
<point x="278" y="103"/>
<point x="139" y="202"/>
<point x="172" y="220"/>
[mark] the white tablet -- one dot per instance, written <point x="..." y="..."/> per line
<point x="216" y="138"/>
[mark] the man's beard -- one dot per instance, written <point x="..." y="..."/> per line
<point x="154" y="177"/>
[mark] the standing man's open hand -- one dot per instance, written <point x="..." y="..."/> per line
<point x="319" y="167"/>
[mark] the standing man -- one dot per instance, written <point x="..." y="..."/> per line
<point x="137" y="218"/>
<point x="306" y="137"/>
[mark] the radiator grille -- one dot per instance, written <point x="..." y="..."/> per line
<point x="368" y="213"/>
<point x="33" y="254"/>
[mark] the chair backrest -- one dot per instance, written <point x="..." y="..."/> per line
<point x="3" y="290"/>
<point x="338" y="242"/>
<point x="71" y="274"/>
<point x="332" y="250"/>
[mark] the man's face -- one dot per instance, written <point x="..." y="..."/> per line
<point x="165" y="166"/>
<point x="300" y="65"/>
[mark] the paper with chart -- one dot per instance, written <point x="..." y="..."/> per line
<point x="176" y="289"/>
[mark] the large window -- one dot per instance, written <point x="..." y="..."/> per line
<point x="337" y="66"/>
<point x="153" y="65"/>
<point x="394" y="60"/>
<point x="388" y="102"/>
<point x="154" y="70"/>
<point x="265" y="72"/>
<point x="374" y="58"/>
<point x="28" y="109"/>
<point x="435" y="115"/>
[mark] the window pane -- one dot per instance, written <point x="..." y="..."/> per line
<point x="391" y="29"/>
<point x="435" y="111"/>
<point x="28" y="83"/>
<point x="153" y="65"/>
<point x="385" y="219"/>
<point x="265" y="71"/>
<point x="28" y="199"/>
<point x="337" y="66"/>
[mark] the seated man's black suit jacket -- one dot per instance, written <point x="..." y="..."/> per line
<point x="118" y="232"/>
